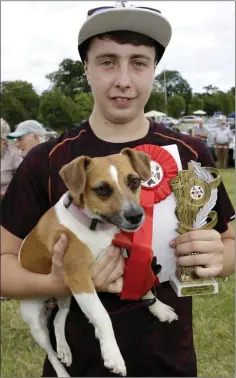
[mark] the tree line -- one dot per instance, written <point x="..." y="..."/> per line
<point x="69" y="100"/>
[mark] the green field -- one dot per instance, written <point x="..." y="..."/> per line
<point x="213" y="318"/>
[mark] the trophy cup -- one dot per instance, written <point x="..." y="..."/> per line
<point x="195" y="191"/>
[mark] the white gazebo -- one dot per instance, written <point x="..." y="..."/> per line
<point x="199" y="112"/>
<point x="154" y="115"/>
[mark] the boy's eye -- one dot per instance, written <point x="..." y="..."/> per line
<point x="107" y="63"/>
<point x="140" y="64"/>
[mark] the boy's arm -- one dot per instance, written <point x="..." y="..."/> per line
<point x="19" y="283"/>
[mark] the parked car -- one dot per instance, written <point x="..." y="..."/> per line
<point x="219" y="117"/>
<point x="50" y="133"/>
<point x="169" y="121"/>
<point x="189" y="119"/>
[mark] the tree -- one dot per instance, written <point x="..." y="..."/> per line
<point x="70" y="78"/>
<point x="176" y="85"/>
<point x="156" y="101"/>
<point x="232" y="91"/>
<point x="19" y="102"/>
<point x="176" y="106"/>
<point x="226" y="102"/>
<point x="58" y="111"/>
<point x="84" y="103"/>
<point x="211" y="104"/>
<point x="196" y="103"/>
<point x="210" y="89"/>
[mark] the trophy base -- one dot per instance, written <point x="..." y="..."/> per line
<point x="203" y="287"/>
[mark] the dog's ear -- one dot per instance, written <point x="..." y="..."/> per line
<point x="139" y="161"/>
<point x="74" y="174"/>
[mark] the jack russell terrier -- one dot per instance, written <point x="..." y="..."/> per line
<point x="105" y="191"/>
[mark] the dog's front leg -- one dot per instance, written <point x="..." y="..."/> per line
<point x="159" y="309"/>
<point x="98" y="316"/>
<point x="78" y="280"/>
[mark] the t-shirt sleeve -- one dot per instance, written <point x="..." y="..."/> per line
<point x="26" y="198"/>
<point x="223" y="207"/>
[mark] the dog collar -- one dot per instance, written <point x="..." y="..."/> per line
<point x="92" y="223"/>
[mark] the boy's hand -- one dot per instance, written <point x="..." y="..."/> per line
<point x="105" y="273"/>
<point x="208" y="243"/>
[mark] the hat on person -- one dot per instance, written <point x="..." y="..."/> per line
<point x="142" y="20"/>
<point x="5" y="129"/>
<point x="27" y="127"/>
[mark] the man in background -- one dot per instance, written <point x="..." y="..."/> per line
<point x="222" y="140"/>
<point x="201" y="132"/>
<point x="28" y="134"/>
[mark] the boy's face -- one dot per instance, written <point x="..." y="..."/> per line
<point x="121" y="78"/>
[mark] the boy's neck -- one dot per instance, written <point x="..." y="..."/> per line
<point x="118" y="133"/>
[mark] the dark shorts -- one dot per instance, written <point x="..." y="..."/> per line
<point x="150" y="348"/>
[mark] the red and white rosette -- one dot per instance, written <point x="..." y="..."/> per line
<point x="138" y="275"/>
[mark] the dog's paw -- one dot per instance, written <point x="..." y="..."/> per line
<point x="113" y="359"/>
<point x="64" y="354"/>
<point x="163" y="312"/>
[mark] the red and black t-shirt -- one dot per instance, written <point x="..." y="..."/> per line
<point x="149" y="347"/>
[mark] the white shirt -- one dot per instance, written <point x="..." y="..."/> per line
<point x="223" y="135"/>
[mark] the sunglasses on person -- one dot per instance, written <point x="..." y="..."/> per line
<point x="102" y="9"/>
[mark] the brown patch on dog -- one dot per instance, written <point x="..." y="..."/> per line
<point x="140" y="162"/>
<point x="37" y="250"/>
<point x="74" y="175"/>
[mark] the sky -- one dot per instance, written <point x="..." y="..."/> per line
<point x="37" y="35"/>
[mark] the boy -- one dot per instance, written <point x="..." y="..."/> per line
<point x="120" y="48"/>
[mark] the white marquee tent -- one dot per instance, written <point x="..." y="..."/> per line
<point x="155" y="115"/>
<point x="199" y="112"/>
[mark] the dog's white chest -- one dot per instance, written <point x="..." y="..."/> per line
<point x="97" y="241"/>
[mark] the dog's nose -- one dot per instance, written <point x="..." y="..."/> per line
<point x="133" y="217"/>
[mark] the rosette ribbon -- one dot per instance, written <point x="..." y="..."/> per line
<point x="139" y="277"/>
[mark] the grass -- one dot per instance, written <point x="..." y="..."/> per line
<point x="213" y="319"/>
<point x="213" y="322"/>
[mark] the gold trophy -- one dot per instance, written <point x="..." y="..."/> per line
<point x="195" y="192"/>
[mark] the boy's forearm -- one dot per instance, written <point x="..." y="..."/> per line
<point x="23" y="284"/>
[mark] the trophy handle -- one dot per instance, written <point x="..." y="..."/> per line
<point x="217" y="177"/>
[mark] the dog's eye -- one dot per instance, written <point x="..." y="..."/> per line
<point x="103" y="190"/>
<point x="134" y="182"/>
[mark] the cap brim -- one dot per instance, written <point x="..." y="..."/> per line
<point x="16" y="134"/>
<point x="143" y="21"/>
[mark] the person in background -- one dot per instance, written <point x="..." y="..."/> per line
<point x="201" y="132"/>
<point x="28" y="134"/>
<point x="10" y="158"/>
<point x="222" y="140"/>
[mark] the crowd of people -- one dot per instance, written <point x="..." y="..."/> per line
<point x="221" y="141"/>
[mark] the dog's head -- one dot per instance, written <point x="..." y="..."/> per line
<point x="108" y="188"/>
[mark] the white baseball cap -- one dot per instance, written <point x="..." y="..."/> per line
<point x="142" y="20"/>
<point x="27" y="127"/>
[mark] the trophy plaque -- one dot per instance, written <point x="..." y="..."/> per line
<point x="195" y="192"/>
